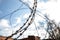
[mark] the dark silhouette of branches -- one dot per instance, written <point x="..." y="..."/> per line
<point x="53" y="29"/>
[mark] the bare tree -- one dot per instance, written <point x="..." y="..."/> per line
<point x="53" y="29"/>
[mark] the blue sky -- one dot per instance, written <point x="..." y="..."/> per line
<point x="8" y="24"/>
<point x="8" y="6"/>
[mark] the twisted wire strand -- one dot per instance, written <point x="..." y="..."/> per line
<point x="33" y="12"/>
<point x="32" y="19"/>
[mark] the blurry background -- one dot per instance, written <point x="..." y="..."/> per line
<point x="14" y="13"/>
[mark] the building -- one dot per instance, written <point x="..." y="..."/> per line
<point x="3" y="38"/>
<point x="31" y="38"/>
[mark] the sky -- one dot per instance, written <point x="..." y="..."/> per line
<point x="8" y="21"/>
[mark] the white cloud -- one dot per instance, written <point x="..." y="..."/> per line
<point x="26" y="15"/>
<point x="16" y="28"/>
<point x="51" y="8"/>
<point x="6" y="28"/>
<point x="4" y="23"/>
<point x="7" y="32"/>
<point x="43" y="33"/>
<point x="18" y="20"/>
<point x="53" y="0"/>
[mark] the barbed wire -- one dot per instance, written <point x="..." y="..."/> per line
<point x="32" y="14"/>
<point x="30" y="20"/>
